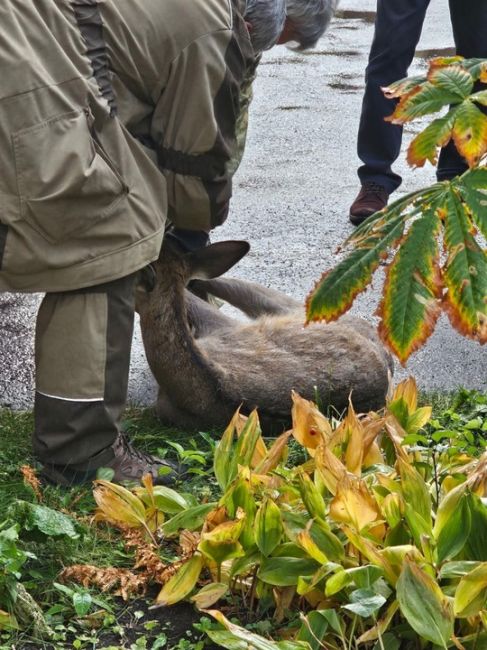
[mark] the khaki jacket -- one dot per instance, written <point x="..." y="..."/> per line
<point x="114" y="115"/>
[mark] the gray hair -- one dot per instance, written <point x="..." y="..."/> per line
<point x="309" y="19"/>
<point x="267" y="18"/>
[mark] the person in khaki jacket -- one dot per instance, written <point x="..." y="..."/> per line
<point x="116" y="116"/>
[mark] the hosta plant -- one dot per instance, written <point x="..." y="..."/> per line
<point x="374" y="541"/>
<point x="431" y="240"/>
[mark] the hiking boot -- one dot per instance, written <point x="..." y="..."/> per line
<point x="129" y="465"/>
<point x="371" y="198"/>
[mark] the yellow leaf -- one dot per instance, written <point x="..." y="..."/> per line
<point x="408" y="391"/>
<point x="471" y="592"/>
<point x="354" y="505"/>
<point x="274" y="455"/>
<point x="209" y="595"/>
<point x="182" y="583"/>
<point x="118" y="505"/>
<point x="306" y="542"/>
<point x="310" y="426"/>
<point x="355" y="445"/>
<point x="330" y="468"/>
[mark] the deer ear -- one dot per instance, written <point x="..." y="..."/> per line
<point x="216" y="259"/>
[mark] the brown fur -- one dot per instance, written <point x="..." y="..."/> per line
<point x="207" y="364"/>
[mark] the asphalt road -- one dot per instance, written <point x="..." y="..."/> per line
<point x="291" y="198"/>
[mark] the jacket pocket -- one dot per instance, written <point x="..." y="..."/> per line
<point x="66" y="181"/>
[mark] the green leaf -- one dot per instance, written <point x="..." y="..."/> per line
<point x="425" y="145"/>
<point x="465" y="273"/>
<point x="189" y="519"/>
<point x="82" y="602"/>
<point x="364" y="602"/>
<point x="418" y="501"/>
<point x="313" y="630"/>
<point x="424" y="606"/>
<point x="34" y="517"/>
<point x="476" y="545"/>
<point x="456" y="569"/>
<point x="410" y="308"/>
<point x="338" y="288"/>
<point x="268" y="527"/>
<point x="285" y="571"/>
<point x="473" y="188"/>
<point x="454" y="80"/>
<point x="453" y="523"/>
<point x="422" y="100"/>
<point x="165" y="499"/>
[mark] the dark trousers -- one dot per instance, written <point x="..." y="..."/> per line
<point x="397" y="32"/>
<point x="83" y="341"/>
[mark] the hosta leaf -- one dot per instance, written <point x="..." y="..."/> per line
<point x="416" y="496"/>
<point x="311" y="496"/>
<point x="164" y="498"/>
<point x="189" y="519"/>
<point x="456" y="569"/>
<point x="423" y="604"/>
<point x="313" y="630"/>
<point x="453" y="522"/>
<point x="473" y="188"/>
<point x="354" y="505"/>
<point x="119" y="505"/>
<point x="425" y="145"/>
<point x="182" y="583"/>
<point x="209" y="595"/>
<point x="410" y="308"/>
<point x="470" y="132"/>
<point x="285" y="571"/>
<point x="453" y="79"/>
<point x="476" y="546"/>
<point x="310" y="427"/>
<point x="364" y="602"/>
<point x="422" y="100"/>
<point x="337" y="288"/>
<point x="221" y="543"/>
<point x="268" y="527"/>
<point x="471" y="593"/>
<point x="251" y="640"/>
<point x="465" y="273"/>
<point x="225" y="470"/>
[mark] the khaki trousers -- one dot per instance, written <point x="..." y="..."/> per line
<point x="82" y="352"/>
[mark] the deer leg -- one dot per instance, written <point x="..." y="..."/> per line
<point x="251" y="298"/>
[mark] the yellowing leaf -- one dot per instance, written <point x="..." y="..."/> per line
<point x="182" y="583"/>
<point x="209" y="595"/>
<point x="274" y="455"/>
<point x="331" y="470"/>
<point x="310" y="427"/>
<point x="222" y="542"/>
<point x="471" y="593"/>
<point x="118" y="505"/>
<point x="355" y="442"/>
<point x="305" y="540"/>
<point x="354" y="505"/>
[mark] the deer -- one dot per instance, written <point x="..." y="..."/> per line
<point x="208" y="364"/>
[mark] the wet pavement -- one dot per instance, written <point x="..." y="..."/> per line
<point x="291" y="197"/>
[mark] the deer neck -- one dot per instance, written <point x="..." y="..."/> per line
<point x="173" y="355"/>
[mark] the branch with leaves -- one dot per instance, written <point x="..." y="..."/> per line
<point x="430" y="240"/>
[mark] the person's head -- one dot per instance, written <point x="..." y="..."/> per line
<point x="265" y="19"/>
<point x="306" y="21"/>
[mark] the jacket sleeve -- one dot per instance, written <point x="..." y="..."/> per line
<point x="194" y="127"/>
